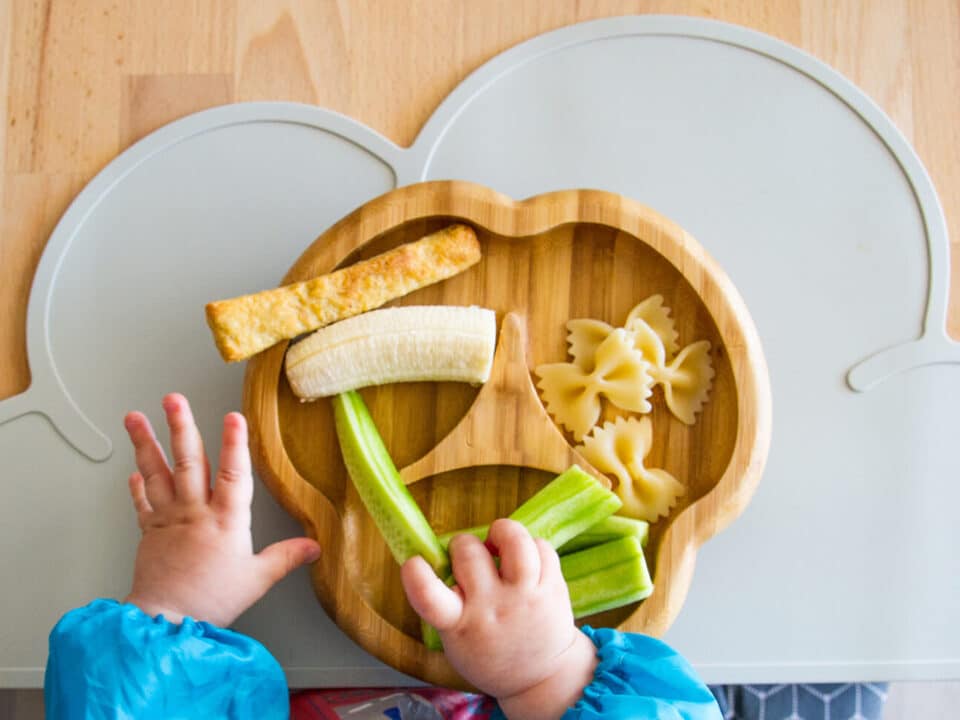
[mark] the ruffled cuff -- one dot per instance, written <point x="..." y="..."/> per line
<point x="112" y="660"/>
<point x="641" y="677"/>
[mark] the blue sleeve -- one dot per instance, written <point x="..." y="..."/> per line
<point x="640" y="677"/>
<point x="109" y="660"/>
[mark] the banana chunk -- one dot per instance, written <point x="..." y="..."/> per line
<point x="402" y="344"/>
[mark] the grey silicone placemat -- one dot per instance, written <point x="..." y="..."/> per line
<point x="808" y="196"/>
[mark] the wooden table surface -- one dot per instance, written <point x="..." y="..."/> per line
<point x="81" y="80"/>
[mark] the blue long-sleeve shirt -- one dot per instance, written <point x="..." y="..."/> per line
<point x="111" y="660"/>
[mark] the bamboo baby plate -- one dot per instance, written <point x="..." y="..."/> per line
<point x="470" y="454"/>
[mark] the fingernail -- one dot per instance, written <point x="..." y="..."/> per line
<point x="313" y="554"/>
<point x="234" y="418"/>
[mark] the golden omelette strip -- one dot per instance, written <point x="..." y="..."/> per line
<point x="244" y="326"/>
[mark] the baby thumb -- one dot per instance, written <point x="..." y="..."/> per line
<point x="283" y="557"/>
<point x="429" y="596"/>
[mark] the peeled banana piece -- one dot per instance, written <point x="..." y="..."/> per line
<point x="402" y="344"/>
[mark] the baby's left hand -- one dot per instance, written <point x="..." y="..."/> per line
<point x="196" y="555"/>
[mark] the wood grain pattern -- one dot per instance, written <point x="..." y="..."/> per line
<point x="534" y="255"/>
<point x="70" y="81"/>
<point x="80" y="81"/>
<point x="506" y="424"/>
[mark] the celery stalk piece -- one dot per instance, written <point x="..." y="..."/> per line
<point x="606" y="576"/>
<point x="611" y="528"/>
<point x="566" y="506"/>
<point x="430" y="636"/>
<point x="479" y="531"/>
<point x="395" y="512"/>
<point x="599" y="578"/>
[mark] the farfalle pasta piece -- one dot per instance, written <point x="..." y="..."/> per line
<point x="585" y="336"/>
<point x="686" y="379"/>
<point x="646" y="340"/>
<point x="619" y="449"/>
<point x="620" y="373"/>
<point x="657" y="315"/>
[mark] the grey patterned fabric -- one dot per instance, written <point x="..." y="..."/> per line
<point x="840" y="701"/>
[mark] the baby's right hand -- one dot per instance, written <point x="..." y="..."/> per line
<point x="195" y="556"/>
<point x="510" y="631"/>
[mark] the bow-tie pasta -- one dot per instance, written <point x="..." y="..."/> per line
<point x="585" y="336"/>
<point x="572" y="394"/>
<point x="619" y="449"/>
<point x="654" y="313"/>
<point x="687" y="380"/>
<point x="686" y="377"/>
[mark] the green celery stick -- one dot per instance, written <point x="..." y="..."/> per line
<point x="599" y="578"/>
<point x="565" y="507"/>
<point x="608" y="529"/>
<point x="395" y="512"/>
<point x="479" y="531"/>
<point x="606" y="576"/>
<point x="430" y="636"/>
<point x="569" y="504"/>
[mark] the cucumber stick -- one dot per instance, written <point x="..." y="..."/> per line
<point x="395" y="512"/>
<point x="565" y="507"/>
<point x="478" y="531"/>
<point x="599" y="578"/>
<point x="569" y="504"/>
<point x="610" y="528"/>
<point x="430" y="636"/>
<point x="606" y="576"/>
